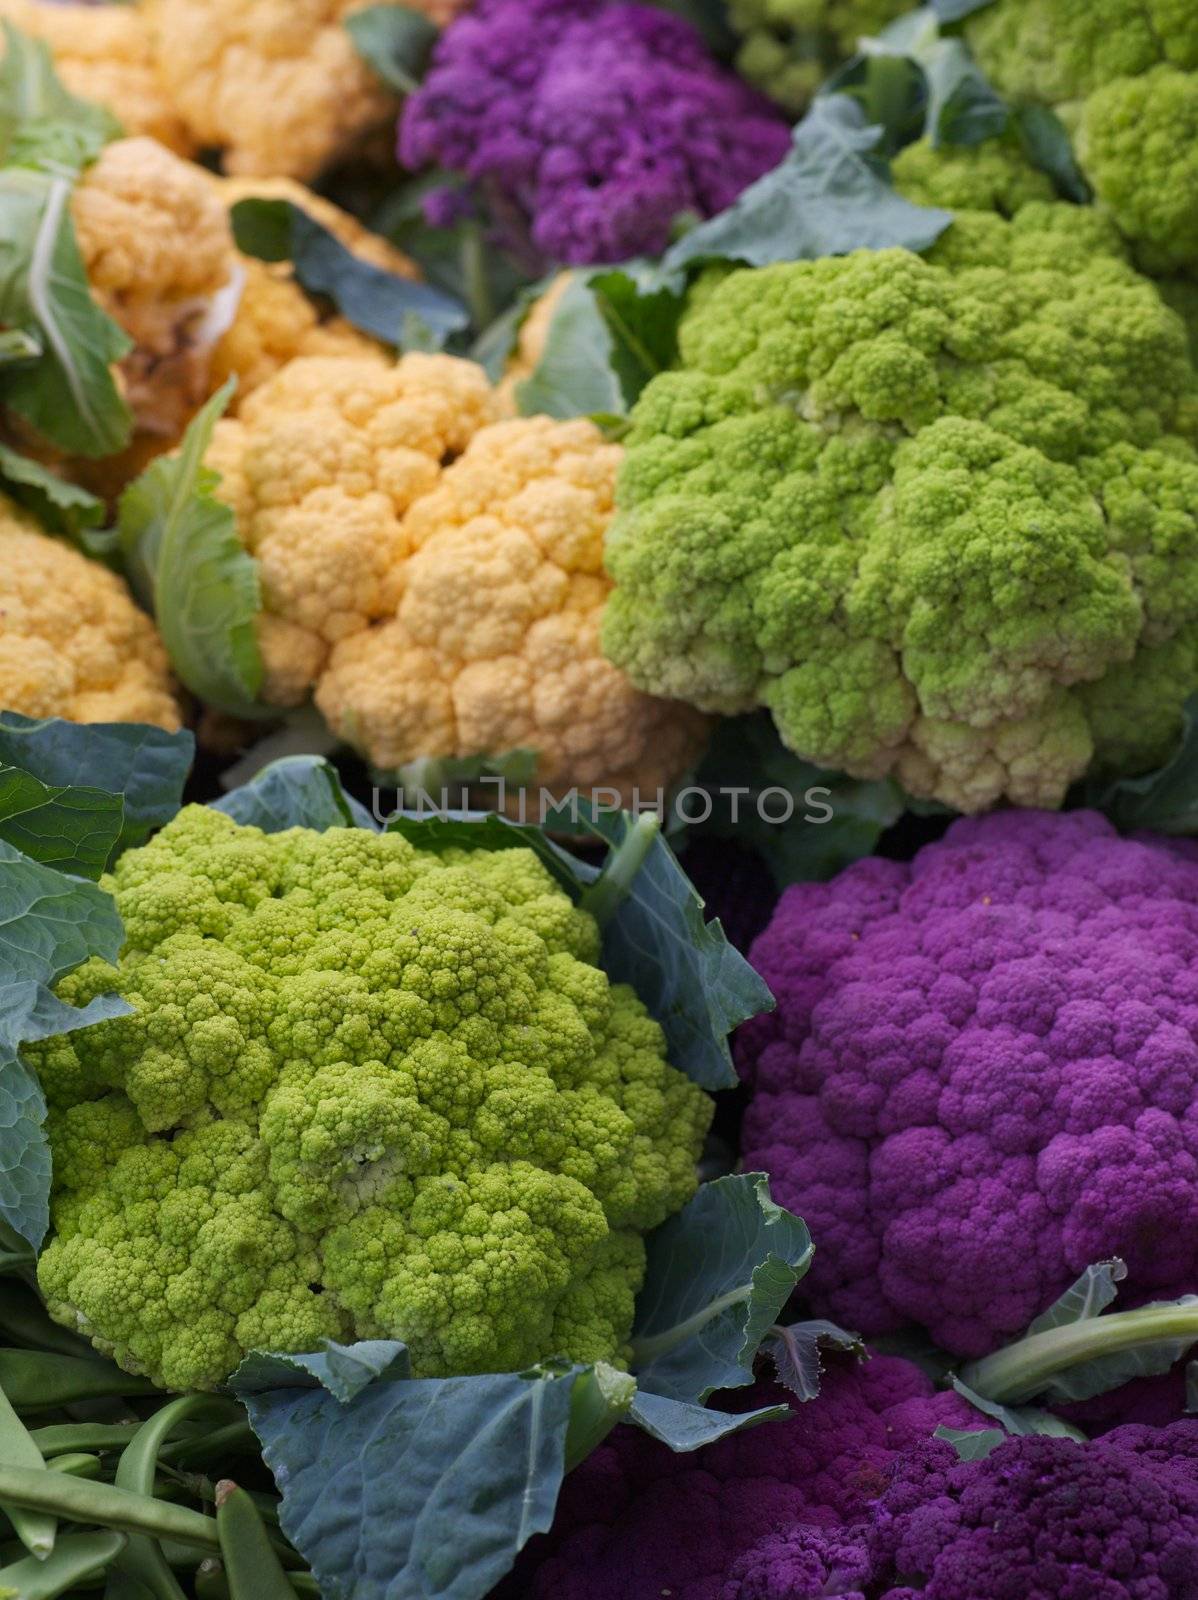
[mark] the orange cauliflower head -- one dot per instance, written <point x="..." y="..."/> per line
<point x="72" y="642"/>
<point x="160" y="259"/>
<point x="277" y="85"/>
<point x="105" y="54"/>
<point x="435" y="573"/>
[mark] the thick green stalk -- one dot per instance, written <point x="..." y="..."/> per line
<point x="614" y="884"/>
<point x="1025" y="1369"/>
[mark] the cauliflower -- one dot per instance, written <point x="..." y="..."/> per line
<point x="72" y="642"/>
<point x="276" y="320"/>
<point x="982" y="1075"/>
<point x="440" y="607"/>
<point x="1123" y="74"/>
<point x="277" y="85"/>
<point x="788" y="47"/>
<point x="366" y="1091"/>
<point x="636" y="1520"/>
<point x="992" y="176"/>
<point x="1113" y="1520"/>
<point x="941" y="516"/>
<point x="160" y="260"/>
<point x="105" y="54"/>
<point x="588" y="127"/>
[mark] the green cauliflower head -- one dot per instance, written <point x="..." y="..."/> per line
<point x="788" y="47"/>
<point x="366" y="1091"/>
<point x="1123" y="75"/>
<point x="940" y="516"/>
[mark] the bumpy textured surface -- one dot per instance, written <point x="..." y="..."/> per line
<point x="72" y="642"/>
<point x="160" y="259"/>
<point x="494" y="645"/>
<point x="276" y="320"/>
<point x="941" y="517"/>
<point x="1124" y="76"/>
<point x="367" y="1092"/>
<point x="982" y="1075"/>
<point x="437" y="576"/>
<point x="106" y="54"/>
<point x="276" y="85"/>
<point x="636" y="1521"/>
<point x="993" y="176"/>
<point x="599" y="123"/>
<point x="789" y="46"/>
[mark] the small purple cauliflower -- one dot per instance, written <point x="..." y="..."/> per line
<point x="982" y="1075"/>
<point x="636" y="1522"/>
<point x="599" y="123"/>
<point x="1037" y="1519"/>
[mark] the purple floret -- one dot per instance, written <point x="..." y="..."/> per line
<point x="636" y="1522"/>
<point x="600" y="123"/>
<point x="982" y="1075"/>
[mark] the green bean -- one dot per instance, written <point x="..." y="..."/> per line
<point x="304" y="1584"/>
<point x="78" y="1465"/>
<point x="253" y="1569"/>
<point x="227" y="1439"/>
<point x="76" y="1500"/>
<point x="142" y="1565"/>
<point x="61" y="1438"/>
<point x="35" y="1529"/>
<point x="78" y="1557"/>
<point x="210" y="1581"/>
<point x="36" y="1381"/>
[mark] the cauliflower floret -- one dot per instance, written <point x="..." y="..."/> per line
<point x="992" y="176"/>
<point x="494" y="646"/>
<point x="277" y="85"/>
<point x="72" y="642"/>
<point x="917" y="507"/>
<point x="277" y="321"/>
<point x="105" y="54"/>
<point x="788" y="47"/>
<point x="364" y="1092"/>
<point x="161" y="261"/>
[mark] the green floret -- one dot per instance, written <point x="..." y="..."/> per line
<point x="789" y="46"/>
<point x="366" y="1091"/>
<point x="1138" y="145"/>
<point x="992" y="176"/>
<point x="914" y="506"/>
<point x="1057" y="51"/>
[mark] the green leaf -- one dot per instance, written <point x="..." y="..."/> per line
<point x="693" y="981"/>
<point x="496" y="344"/>
<point x="1165" y="801"/>
<point x="396" y="41"/>
<point x="718" y="1275"/>
<point x="1047" y="145"/>
<point x="378" y="302"/>
<point x="435" y="781"/>
<point x="62" y="507"/>
<point x="972" y="1444"/>
<point x="69" y="396"/>
<point x="344" y="1370"/>
<point x="795" y="1352"/>
<point x="19" y="347"/>
<point x="419" y="1486"/>
<point x="33" y="96"/>
<point x="609" y="335"/>
<point x="1088" y="1297"/>
<point x="1020" y="1420"/>
<point x="146" y="766"/>
<point x="49" y="925"/>
<point x="828" y="197"/>
<point x="805" y="823"/>
<point x="75" y="830"/>
<point x="955" y="10"/>
<point x="685" y="1427"/>
<point x="189" y="568"/>
<point x="297" y="792"/>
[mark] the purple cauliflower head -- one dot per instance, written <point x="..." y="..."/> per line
<point x="599" y="123"/>
<point x="635" y="1521"/>
<point x="982" y="1075"/>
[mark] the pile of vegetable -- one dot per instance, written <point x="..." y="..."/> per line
<point x="598" y="800"/>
